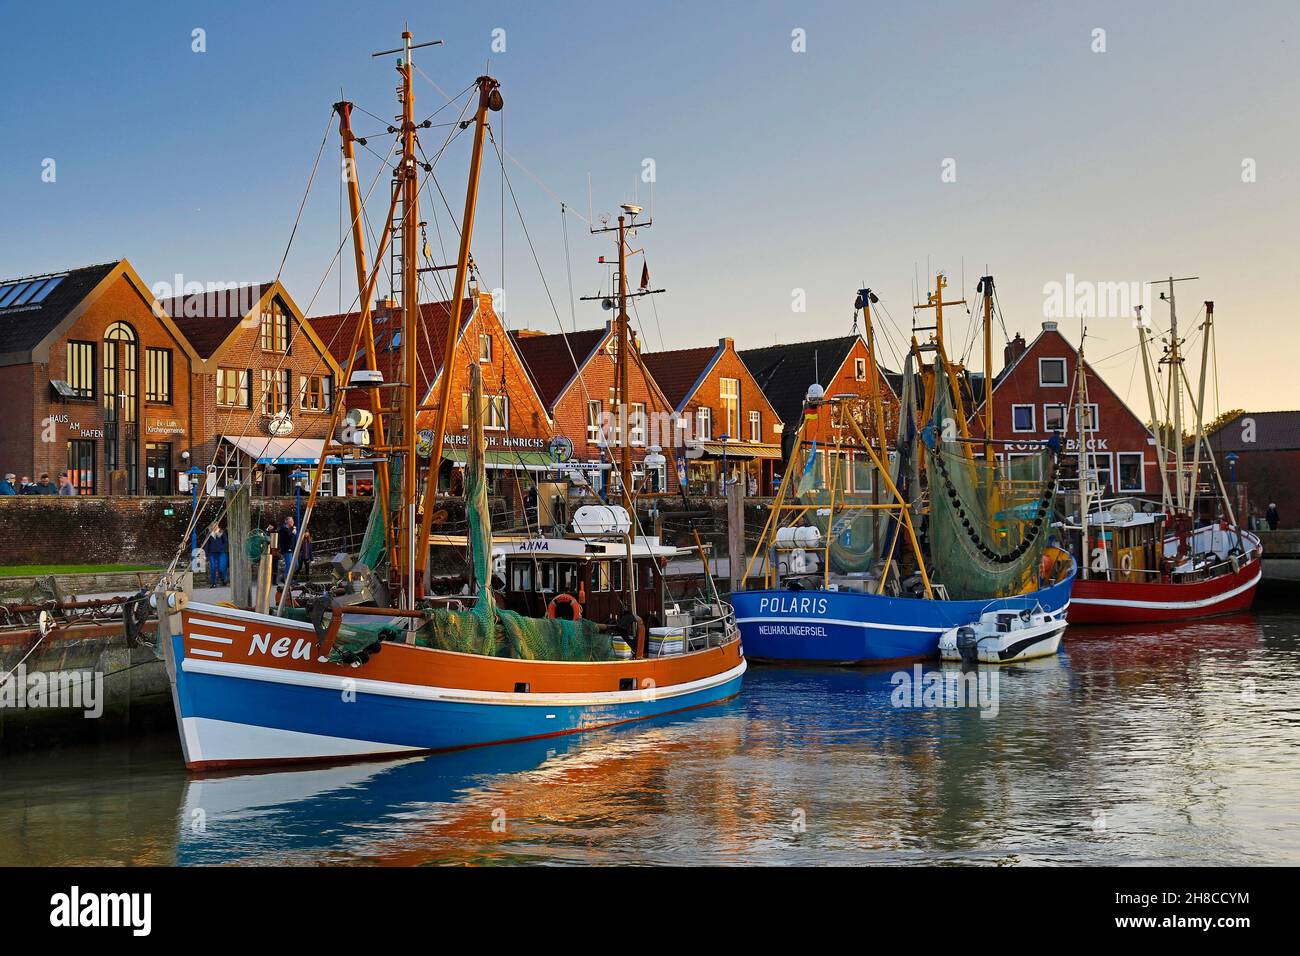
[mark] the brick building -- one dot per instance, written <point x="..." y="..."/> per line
<point x="95" y="379"/>
<point x="841" y="366"/>
<point x="732" y="420"/>
<point x="516" y="424"/>
<point x="1262" y="451"/>
<point x="1030" y="396"/>
<point x="263" y="385"/>
<point x="575" y="376"/>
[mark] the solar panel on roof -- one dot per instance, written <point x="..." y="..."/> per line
<point x="46" y="289"/>
<point x="14" y="292"/>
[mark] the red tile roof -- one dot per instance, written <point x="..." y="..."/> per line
<point x="208" y="318"/>
<point x="549" y="359"/>
<point x="336" y="331"/>
<point x="678" y="371"/>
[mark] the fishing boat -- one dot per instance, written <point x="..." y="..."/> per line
<point x="871" y="554"/>
<point x="376" y="665"/>
<point x="1181" y="559"/>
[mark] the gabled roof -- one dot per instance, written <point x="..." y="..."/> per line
<point x="336" y="332"/>
<point x="208" y="318"/>
<point x="784" y="372"/>
<point x="24" y="326"/>
<point x="1272" y="431"/>
<point x="680" y="371"/>
<point x="549" y="359"/>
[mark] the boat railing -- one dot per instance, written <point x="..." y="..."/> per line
<point x="716" y="627"/>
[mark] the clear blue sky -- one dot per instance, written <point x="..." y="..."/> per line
<point x="776" y="170"/>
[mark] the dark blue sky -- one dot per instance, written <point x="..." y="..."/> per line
<point x="776" y="170"/>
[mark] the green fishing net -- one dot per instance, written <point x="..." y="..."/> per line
<point x="988" y="523"/>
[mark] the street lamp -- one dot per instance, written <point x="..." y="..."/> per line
<point x="654" y="459"/>
<point x="297" y="477"/>
<point x="1232" y="467"/>
<point x="194" y="471"/>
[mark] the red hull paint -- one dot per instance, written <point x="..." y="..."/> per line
<point x="1149" y="603"/>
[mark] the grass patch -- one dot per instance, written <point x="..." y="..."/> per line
<point x="32" y="570"/>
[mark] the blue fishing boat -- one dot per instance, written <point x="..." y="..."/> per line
<point x="871" y="553"/>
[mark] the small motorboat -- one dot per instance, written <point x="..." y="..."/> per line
<point x="1002" y="636"/>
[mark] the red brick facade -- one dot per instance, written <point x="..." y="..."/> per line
<point x="127" y="442"/>
<point x="1027" y="396"/>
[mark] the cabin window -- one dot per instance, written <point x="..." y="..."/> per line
<point x="81" y="369"/>
<point x="1053" y="418"/>
<point x="595" y="411"/>
<point x="1087" y="418"/>
<point x="567" y="576"/>
<point x="521" y="575"/>
<point x="1132" y="468"/>
<point x="616" y="575"/>
<point x="1051" y="371"/>
<point x="546" y="576"/>
<point x="755" y="426"/>
<point x="1022" y="418"/>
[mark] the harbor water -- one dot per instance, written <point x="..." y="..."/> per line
<point x="1166" y="745"/>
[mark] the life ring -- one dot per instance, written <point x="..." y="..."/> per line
<point x="1126" y="563"/>
<point x="568" y="599"/>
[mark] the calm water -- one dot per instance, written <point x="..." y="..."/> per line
<point x="1167" y="745"/>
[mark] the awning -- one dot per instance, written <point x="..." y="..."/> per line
<point x="740" y="451"/>
<point x="507" y="460"/>
<point x="268" y="450"/>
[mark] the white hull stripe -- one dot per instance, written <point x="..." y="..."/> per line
<point x="832" y="620"/>
<point x="1174" y="605"/>
<point x="363" y="685"/>
<point x="204" y="652"/>
<point x="211" y="638"/>
<point x="220" y="625"/>
<point x="210" y="740"/>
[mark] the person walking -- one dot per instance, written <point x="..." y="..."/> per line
<point x="7" y="486"/>
<point x="284" y="542"/>
<point x="218" y="550"/>
<point x="66" y="488"/>
<point x="1272" y="517"/>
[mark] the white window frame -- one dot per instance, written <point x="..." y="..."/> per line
<point x="729" y="398"/>
<point x="1033" y="419"/>
<point x="1064" y="416"/>
<point x="860" y="369"/>
<point x="485" y="354"/>
<point x="594" y="427"/>
<point x="636" y="427"/>
<point x="1110" y="467"/>
<point x="1065" y="373"/>
<point x="755" y="425"/>
<point x="1142" y="470"/>
<point x="1096" y="418"/>
<point x="704" y="423"/>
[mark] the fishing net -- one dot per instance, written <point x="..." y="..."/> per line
<point x="484" y="628"/>
<point x="988" y="520"/>
<point x="841" y="479"/>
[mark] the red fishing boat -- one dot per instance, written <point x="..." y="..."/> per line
<point x="1184" y="558"/>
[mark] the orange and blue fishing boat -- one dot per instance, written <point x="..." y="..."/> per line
<point x="371" y="665"/>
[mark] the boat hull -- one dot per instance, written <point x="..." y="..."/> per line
<point x="253" y="690"/>
<point x="844" y="627"/>
<point x="1118" y="602"/>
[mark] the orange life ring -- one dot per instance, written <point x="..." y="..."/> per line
<point x="568" y="599"/>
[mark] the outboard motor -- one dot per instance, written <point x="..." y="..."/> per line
<point x="967" y="646"/>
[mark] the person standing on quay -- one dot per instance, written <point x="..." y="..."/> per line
<point x="7" y="486"/>
<point x="218" y="549"/>
<point x="1272" y="517"/>
<point x="284" y="542"/>
<point x="66" y="488"/>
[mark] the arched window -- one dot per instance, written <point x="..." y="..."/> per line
<point x="121" y="354"/>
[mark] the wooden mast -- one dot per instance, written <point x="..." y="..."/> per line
<point x="489" y="98"/>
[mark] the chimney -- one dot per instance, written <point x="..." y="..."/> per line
<point x="528" y="333"/>
<point x="1014" y="349"/>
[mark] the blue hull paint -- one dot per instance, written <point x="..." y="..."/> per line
<point x="409" y="722"/>
<point x="844" y="627"/>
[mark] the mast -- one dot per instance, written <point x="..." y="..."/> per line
<point x="489" y="98"/>
<point x="1200" y="401"/>
<point x="865" y="300"/>
<point x="1157" y="429"/>
<point x="1175" y="361"/>
<point x="1081" y="405"/>
<point x="986" y="287"/>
